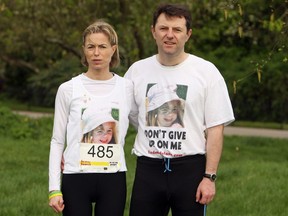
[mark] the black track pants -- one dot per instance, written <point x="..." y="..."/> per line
<point x="155" y="191"/>
<point x="108" y="191"/>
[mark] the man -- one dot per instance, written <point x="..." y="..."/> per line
<point x="176" y="167"/>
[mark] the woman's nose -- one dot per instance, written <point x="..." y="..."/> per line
<point x="96" y="51"/>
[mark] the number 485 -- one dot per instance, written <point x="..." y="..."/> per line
<point x="101" y="151"/>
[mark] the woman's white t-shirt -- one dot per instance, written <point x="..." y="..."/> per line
<point x="72" y="99"/>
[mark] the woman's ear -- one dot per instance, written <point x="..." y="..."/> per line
<point x="114" y="47"/>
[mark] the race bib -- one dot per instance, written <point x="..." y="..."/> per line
<point x="100" y="157"/>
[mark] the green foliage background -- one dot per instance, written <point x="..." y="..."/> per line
<point x="247" y="40"/>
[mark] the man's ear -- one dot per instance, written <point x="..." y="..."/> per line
<point x="153" y="31"/>
<point x="189" y="33"/>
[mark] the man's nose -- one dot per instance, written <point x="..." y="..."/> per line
<point x="170" y="33"/>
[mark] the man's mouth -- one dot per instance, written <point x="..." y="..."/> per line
<point x="169" y="42"/>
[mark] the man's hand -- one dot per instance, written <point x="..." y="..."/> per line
<point x="205" y="191"/>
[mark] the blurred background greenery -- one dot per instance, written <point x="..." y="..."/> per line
<point x="247" y="40"/>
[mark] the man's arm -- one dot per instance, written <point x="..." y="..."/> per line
<point x="206" y="189"/>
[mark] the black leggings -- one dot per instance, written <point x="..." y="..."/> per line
<point x="155" y="190"/>
<point x="107" y="191"/>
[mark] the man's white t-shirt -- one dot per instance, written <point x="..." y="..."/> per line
<point x="203" y="102"/>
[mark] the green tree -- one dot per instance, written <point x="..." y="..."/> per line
<point x="41" y="44"/>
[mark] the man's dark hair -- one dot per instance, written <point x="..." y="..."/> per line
<point x="173" y="10"/>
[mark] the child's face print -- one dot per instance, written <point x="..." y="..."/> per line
<point x="167" y="114"/>
<point x="103" y="133"/>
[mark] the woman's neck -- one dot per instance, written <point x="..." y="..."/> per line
<point x="97" y="75"/>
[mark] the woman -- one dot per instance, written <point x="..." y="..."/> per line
<point x="93" y="173"/>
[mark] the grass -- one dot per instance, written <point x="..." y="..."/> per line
<point x="23" y="169"/>
<point x="252" y="177"/>
<point x="271" y="125"/>
<point x="16" y="105"/>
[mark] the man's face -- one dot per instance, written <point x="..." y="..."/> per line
<point x="170" y="34"/>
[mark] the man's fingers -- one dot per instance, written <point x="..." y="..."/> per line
<point x="198" y="194"/>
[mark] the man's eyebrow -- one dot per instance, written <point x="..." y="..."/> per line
<point x="162" y="25"/>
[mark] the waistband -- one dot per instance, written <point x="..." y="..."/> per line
<point x="178" y="159"/>
<point x="167" y="162"/>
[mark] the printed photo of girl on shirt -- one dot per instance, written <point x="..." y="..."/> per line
<point x="99" y="126"/>
<point x="164" y="107"/>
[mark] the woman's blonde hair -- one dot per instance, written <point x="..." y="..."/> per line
<point x="100" y="26"/>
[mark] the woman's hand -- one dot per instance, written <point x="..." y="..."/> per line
<point x="57" y="203"/>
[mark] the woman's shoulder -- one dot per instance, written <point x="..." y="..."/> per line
<point x="69" y="83"/>
<point x="124" y="80"/>
<point x="67" y="86"/>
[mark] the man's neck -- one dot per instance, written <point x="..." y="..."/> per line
<point x="171" y="60"/>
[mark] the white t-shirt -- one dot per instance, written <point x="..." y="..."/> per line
<point x="81" y="104"/>
<point x="199" y="99"/>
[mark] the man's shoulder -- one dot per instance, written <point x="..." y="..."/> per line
<point x="200" y="62"/>
<point x="199" y="59"/>
<point x="136" y="69"/>
<point x="144" y="61"/>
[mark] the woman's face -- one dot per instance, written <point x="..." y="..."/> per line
<point x="167" y="113"/>
<point x="98" y="51"/>
<point x="103" y="133"/>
